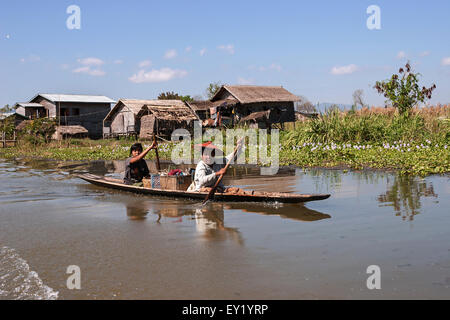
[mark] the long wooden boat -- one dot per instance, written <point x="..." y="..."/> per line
<point x="255" y="197"/>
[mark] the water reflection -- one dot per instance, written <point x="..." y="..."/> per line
<point x="404" y="195"/>
<point x="137" y="210"/>
<point x="210" y="219"/>
<point x="287" y="211"/>
<point x="210" y="224"/>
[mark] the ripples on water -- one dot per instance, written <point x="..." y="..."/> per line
<point x="18" y="281"/>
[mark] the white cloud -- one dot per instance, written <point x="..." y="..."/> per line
<point x="228" y="48"/>
<point x="118" y="61"/>
<point x="154" y="75"/>
<point x="91" y="61"/>
<point x="145" y="63"/>
<point x="425" y="53"/>
<point x="88" y="70"/>
<point x="90" y="66"/>
<point x="202" y="52"/>
<point x="401" y="55"/>
<point x="446" y="61"/>
<point x="170" y="54"/>
<point x="351" y="68"/>
<point x="8" y="36"/>
<point x="188" y="49"/>
<point x="243" y="81"/>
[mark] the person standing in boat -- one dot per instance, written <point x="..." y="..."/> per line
<point x="209" y="169"/>
<point x="135" y="166"/>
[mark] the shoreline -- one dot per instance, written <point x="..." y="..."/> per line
<point x="345" y="167"/>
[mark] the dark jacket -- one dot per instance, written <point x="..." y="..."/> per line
<point x="134" y="172"/>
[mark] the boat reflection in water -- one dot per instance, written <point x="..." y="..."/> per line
<point x="288" y="211"/>
<point x="210" y="219"/>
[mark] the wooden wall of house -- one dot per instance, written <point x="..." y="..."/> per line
<point x="21" y="110"/>
<point x="225" y="95"/>
<point x="49" y="106"/>
<point x="121" y="119"/>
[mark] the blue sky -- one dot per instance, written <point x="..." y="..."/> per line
<point x="137" y="49"/>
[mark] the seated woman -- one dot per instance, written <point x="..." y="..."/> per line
<point x="208" y="170"/>
<point x="135" y="166"/>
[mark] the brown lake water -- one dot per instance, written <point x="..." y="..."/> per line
<point x="140" y="247"/>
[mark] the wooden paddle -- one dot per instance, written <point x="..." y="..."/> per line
<point x="213" y="190"/>
<point x="158" y="165"/>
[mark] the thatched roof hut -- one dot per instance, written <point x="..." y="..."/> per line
<point x="253" y="100"/>
<point x="76" y="131"/>
<point x="123" y="119"/>
<point x="163" y="117"/>
<point x="174" y="110"/>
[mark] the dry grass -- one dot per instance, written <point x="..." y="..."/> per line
<point x="428" y="113"/>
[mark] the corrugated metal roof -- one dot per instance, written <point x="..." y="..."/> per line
<point x="5" y="115"/>
<point x="75" y="98"/>
<point x="29" y="105"/>
<point x="9" y="114"/>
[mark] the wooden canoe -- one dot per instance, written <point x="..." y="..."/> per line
<point x="255" y="197"/>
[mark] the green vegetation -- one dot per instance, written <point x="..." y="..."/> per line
<point x="402" y="91"/>
<point x="174" y="96"/>
<point x="7" y="126"/>
<point x="377" y="138"/>
<point x="39" y="131"/>
<point x="6" y="109"/>
<point x="213" y="88"/>
<point x="369" y="138"/>
<point x="81" y="149"/>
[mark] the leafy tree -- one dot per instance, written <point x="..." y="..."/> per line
<point x="174" y="96"/>
<point x="7" y="126"/>
<point x="187" y="98"/>
<point x="169" y="96"/>
<point x="212" y="89"/>
<point x="403" y="91"/>
<point x="6" y="109"/>
<point x="40" y="130"/>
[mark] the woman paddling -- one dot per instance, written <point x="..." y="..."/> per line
<point x="135" y="166"/>
<point x="209" y="169"/>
